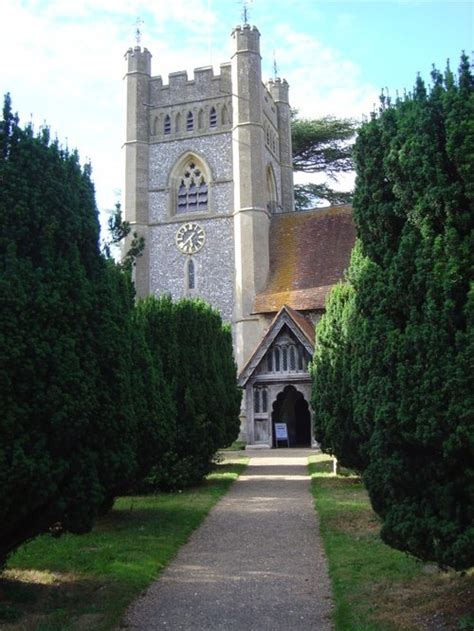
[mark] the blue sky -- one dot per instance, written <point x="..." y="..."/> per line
<point x="62" y="60"/>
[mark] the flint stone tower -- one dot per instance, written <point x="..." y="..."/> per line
<point x="208" y="163"/>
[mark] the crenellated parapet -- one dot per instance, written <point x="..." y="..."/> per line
<point x="279" y="88"/>
<point x="180" y="89"/>
<point x="138" y="60"/>
<point x="246" y="39"/>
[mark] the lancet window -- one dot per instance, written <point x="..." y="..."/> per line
<point x="286" y="357"/>
<point x="189" y="121"/>
<point x="213" y="117"/>
<point x="191" y="274"/>
<point x="260" y="400"/>
<point x="167" y="125"/>
<point x="192" y="190"/>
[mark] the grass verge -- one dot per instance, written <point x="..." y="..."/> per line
<point x="375" y="587"/>
<point x="80" y="583"/>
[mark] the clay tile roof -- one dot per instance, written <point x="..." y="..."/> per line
<point x="305" y="325"/>
<point x="309" y="252"/>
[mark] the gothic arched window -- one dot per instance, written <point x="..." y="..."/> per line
<point x="167" y="125"/>
<point x="272" y="200"/>
<point x="264" y="400"/>
<point x="284" y="353"/>
<point x="213" y="117"/>
<point x="270" y="362"/>
<point x="277" y="359"/>
<point x="256" y="400"/>
<point x="300" y="358"/>
<point x="189" y="121"/>
<point x="192" y="194"/>
<point x="292" y="358"/>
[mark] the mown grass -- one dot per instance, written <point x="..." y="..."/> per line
<point x="375" y="587"/>
<point x="83" y="583"/>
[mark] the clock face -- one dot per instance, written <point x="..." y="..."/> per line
<point x="190" y="238"/>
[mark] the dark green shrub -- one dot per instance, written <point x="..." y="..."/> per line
<point x="189" y="343"/>
<point x="405" y="356"/>
<point x="67" y="426"/>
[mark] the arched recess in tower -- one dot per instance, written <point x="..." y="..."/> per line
<point x="272" y="195"/>
<point x="189" y="185"/>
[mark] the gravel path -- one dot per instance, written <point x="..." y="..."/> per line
<point x="256" y="563"/>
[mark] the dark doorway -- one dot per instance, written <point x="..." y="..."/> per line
<point x="291" y="408"/>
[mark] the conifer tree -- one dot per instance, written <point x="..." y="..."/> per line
<point x="194" y="350"/>
<point x="66" y="428"/>
<point x="323" y="146"/>
<point x="409" y="338"/>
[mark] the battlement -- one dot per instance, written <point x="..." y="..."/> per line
<point x="138" y="60"/>
<point x="179" y="89"/>
<point x="278" y="88"/>
<point x="247" y="38"/>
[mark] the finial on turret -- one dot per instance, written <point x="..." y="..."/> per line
<point x="275" y="67"/>
<point x="138" y="34"/>
<point x="245" y="4"/>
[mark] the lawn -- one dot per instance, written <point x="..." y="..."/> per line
<point x="80" y="583"/>
<point x="375" y="587"/>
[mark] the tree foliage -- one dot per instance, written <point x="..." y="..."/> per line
<point x="67" y="433"/>
<point x="400" y="349"/>
<point x="120" y="232"/>
<point x="96" y="394"/>
<point x="193" y="350"/>
<point x="322" y="146"/>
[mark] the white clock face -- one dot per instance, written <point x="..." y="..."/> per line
<point x="190" y="238"/>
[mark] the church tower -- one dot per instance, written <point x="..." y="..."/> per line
<point x="208" y="163"/>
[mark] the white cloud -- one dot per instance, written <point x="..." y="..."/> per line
<point x="63" y="62"/>
<point x="322" y="81"/>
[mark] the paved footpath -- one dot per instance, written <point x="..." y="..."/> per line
<point x="256" y="562"/>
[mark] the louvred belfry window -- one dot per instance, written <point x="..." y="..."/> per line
<point x="192" y="190"/>
<point x="213" y="117"/>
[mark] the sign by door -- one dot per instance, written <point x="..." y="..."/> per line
<point x="281" y="433"/>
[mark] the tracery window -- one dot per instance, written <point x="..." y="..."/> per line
<point x="167" y="125"/>
<point x="213" y="117"/>
<point x="286" y="357"/>
<point x="192" y="190"/>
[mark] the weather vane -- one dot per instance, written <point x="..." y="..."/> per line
<point x="138" y="33"/>
<point x="245" y="10"/>
<point x="275" y="67"/>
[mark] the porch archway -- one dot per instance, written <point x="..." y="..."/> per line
<point x="291" y="407"/>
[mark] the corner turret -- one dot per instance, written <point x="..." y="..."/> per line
<point x="251" y="216"/>
<point x="278" y="89"/>
<point x="137" y="153"/>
